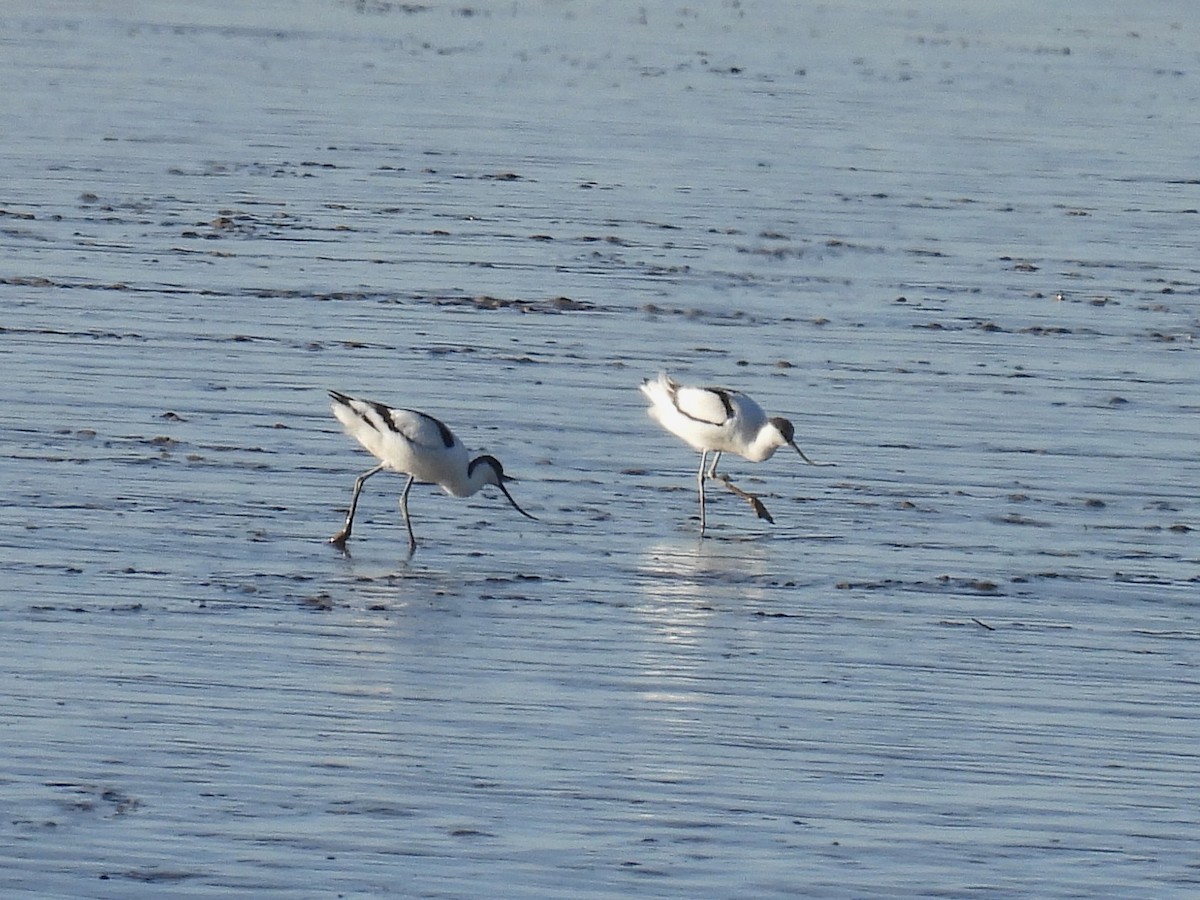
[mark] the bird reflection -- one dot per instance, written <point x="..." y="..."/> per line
<point x="708" y="574"/>
<point x="686" y="589"/>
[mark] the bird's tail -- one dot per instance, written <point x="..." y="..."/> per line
<point x="658" y="390"/>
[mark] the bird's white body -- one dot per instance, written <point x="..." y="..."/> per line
<point x="415" y="444"/>
<point x="718" y="420"/>
<point x="411" y="443"/>
<point x="713" y="418"/>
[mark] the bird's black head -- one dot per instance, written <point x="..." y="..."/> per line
<point x="498" y="478"/>
<point x="490" y="464"/>
<point x="785" y="428"/>
<point x="788" y="433"/>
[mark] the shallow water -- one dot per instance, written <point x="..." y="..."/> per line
<point x="957" y="247"/>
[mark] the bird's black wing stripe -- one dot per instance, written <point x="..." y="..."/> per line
<point x="348" y="402"/>
<point x="720" y="392"/>
<point x="445" y="432"/>
<point x="384" y="414"/>
<point x="725" y="401"/>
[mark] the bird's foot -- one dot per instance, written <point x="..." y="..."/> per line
<point x="756" y="504"/>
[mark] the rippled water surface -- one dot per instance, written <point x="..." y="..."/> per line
<point x="957" y="247"/>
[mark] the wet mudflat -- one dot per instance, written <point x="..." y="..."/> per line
<point x="956" y="247"/>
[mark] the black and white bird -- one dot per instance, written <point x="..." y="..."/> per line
<point x="415" y="444"/>
<point x="721" y="420"/>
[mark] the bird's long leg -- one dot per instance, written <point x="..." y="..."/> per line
<point x="755" y="503"/>
<point x="339" y="539"/>
<point x="712" y="470"/>
<point x="412" y="541"/>
<point x="700" y="485"/>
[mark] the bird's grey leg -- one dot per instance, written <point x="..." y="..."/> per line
<point x="339" y="539"/>
<point x="412" y="541"/>
<point x="755" y="503"/>
<point x="700" y="485"/>
<point x="712" y="470"/>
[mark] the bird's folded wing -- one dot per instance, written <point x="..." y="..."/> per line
<point x="421" y="429"/>
<point x="710" y="405"/>
<point x="418" y="428"/>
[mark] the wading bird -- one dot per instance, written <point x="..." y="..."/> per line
<point x="417" y="445"/>
<point x="720" y="420"/>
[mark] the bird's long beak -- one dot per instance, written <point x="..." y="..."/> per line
<point x="796" y="447"/>
<point x="504" y="491"/>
